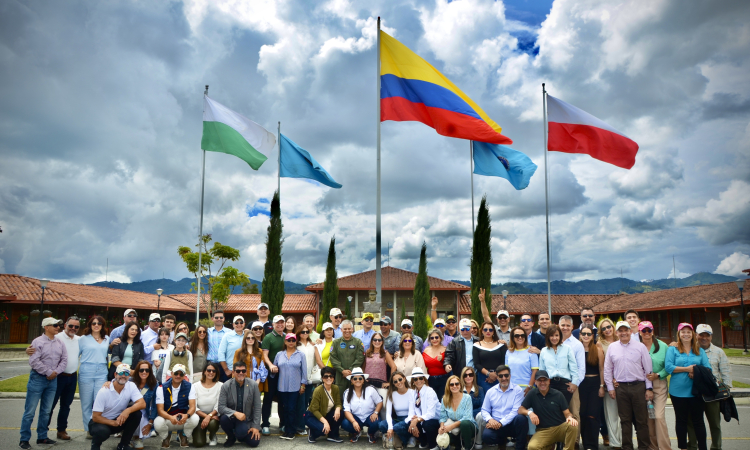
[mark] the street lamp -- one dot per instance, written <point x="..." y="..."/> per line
<point x="349" y="307"/>
<point x="741" y="286"/>
<point x="505" y="296"/>
<point x="45" y="313"/>
<point x="158" y="302"/>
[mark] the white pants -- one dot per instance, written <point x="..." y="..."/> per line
<point x="613" y="421"/>
<point x="163" y="426"/>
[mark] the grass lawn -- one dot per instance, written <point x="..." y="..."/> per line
<point x="739" y="384"/>
<point x="16" y="384"/>
<point x="735" y="352"/>
<point x="2" y="346"/>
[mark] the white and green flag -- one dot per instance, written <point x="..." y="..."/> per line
<point x="228" y="132"/>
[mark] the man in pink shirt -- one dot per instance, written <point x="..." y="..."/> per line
<point x="629" y="363"/>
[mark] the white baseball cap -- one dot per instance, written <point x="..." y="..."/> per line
<point x="179" y="368"/>
<point x="128" y="311"/>
<point x="263" y="305"/>
<point x="335" y="312"/>
<point x="439" y="321"/>
<point x="257" y="323"/>
<point x="236" y="318"/>
<point x="621" y="324"/>
<point x="503" y="312"/>
<point x="278" y="318"/>
<point x="464" y="323"/>
<point x="704" y="328"/>
<point x="50" y="321"/>
<point x="154" y="316"/>
<point x="327" y="325"/>
<point x="406" y="322"/>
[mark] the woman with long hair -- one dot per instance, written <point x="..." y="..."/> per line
<point x="398" y="400"/>
<point x="292" y="382"/>
<point x="408" y="358"/>
<point x="258" y="331"/>
<point x="182" y="327"/>
<point x="523" y="364"/>
<point x="290" y="326"/>
<point x="476" y="393"/>
<point x="488" y="354"/>
<point x="434" y="356"/>
<point x="312" y="357"/>
<point x="657" y="428"/>
<point x="559" y="362"/>
<point x="129" y="350"/>
<point x="199" y="350"/>
<point x="324" y="348"/>
<point x="362" y="405"/>
<point x="180" y="354"/>
<point x="456" y="415"/>
<point x="158" y="356"/>
<point x="92" y="373"/>
<point x="424" y="412"/>
<point x="323" y="417"/>
<point x="679" y="363"/>
<point x="143" y="377"/>
<point x="591" y="390"/>
<point x="611" y="417"/>
<point x="251" y="354"/>
<point x="377" y="362"/>
<point x="207" y="393"/>
<point x="475" y="329"/>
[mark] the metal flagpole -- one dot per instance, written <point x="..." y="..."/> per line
<point x="278" y="176"/>
<point x="200" y="232"/>
<point x="377" y="207"/>
<point x="471" y="167"/>
<point x="546" y="200"/>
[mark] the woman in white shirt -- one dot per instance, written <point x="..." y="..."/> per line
<point x="408" y="358"/>
<point x="424" y="411"/>
<point x="362" y="405"/>
<point x="397" y="401"/>
<point x="207" y="405"/>
<point x="312" y="357"/>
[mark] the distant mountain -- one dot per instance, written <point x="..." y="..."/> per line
<point x="607" y="286"/>
<point x="183" y="286"/>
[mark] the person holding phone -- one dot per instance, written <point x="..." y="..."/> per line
<point x="175" y="405"/>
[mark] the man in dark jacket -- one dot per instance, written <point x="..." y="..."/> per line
<point x="240" y="408"/>
<point x="458" y="354"/>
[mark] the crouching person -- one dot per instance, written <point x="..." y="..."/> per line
<point x="175" y="405"/>
<point x="240" y="408"/>
<point x="553" y="420"/>
<point x="111" y="413"/>
<point x="324" y="416"/>
<point x="362" y="405"/>
<point x="500" y="412"/>
<point x="456" y="415"/>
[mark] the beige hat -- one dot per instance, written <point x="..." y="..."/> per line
<point x="238" y="318"/>
<point x="336" y="312"/>
<point x="154" y="316"/>
<point x="123" y="369"/>
<point x="503" y="312"/>
<point x="50" y="321"/>
<point x="621" y="324"/>
<point x="128" y="311"/>
<point x="406" y="322"/>
<point x="278" y="318"/>
<point x="464" y="323"/>
<point x="179" y="368"/>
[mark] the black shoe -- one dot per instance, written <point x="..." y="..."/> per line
<point x="354" y="437"/>
<point x="310" y="439"/>
<point x="125" y="447"/>
<point x="229" y="442"/>
<point x="24" y="445"/>
<point x="46" y="441"/>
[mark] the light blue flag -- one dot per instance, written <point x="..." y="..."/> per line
<point x="494" y="160"/>
<point x="296" y="162"/>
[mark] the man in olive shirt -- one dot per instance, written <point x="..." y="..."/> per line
<point x="548" y="410"/>
<point x="346" y="352"/>
<point x="272" y="344"/>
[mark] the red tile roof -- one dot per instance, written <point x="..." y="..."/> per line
<point x="29" y="291"/>
<point x="392" y="279"/>
<point x="705" y="296"/>
<point x="242" y="303"/>
<point x="535" y="303"/>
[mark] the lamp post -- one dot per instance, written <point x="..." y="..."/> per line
<point x="349" y="307"/>
<point x="505" y="297"/>
<point x="158" y="302"/>
<point x="41" y="310"/>
<point x="741" y="286"/>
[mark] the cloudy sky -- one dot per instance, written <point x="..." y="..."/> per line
<point x="101" y="124"/>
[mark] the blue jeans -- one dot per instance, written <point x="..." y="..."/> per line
<point x="38" y="389"/>
<point x="400" y="428"/>
<point x="288" y="409"/>
<point x="316" y="426"/>
<point x="91" y="377"/>
<point x="517" y="428"/>
<point x="237" y="430"/>
<point x="302" y="403"/>
<point x="372" y="426"/>
<point x="66" y="391"/>
<point x="482" y="382"/>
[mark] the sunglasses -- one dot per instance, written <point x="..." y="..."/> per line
<point x="291" y="340"/>
<point x="455" y="385"/>
<point x="504" y="375"/>
<point x="647" y="330"/>
<point x="146" y="370"/>
<point x="238" y="322"/>
<point x="327" y="376"/>
<point x="219" y="318"/>
<point x="210" y="371"/>
<point x="56" y="325"/>
<point x="527" y="320"/>
<point x="304" y="332"/>
<point x="488" y="330"/>
<point x="74" y="327"/>
<point x="358" y="378"/>
<point x="240" y="371"/>
<point x="587" y="334"/>
<point x="405" y="326"/>
<point x="257" y="328"/>
<point x="398" y="380"/>
<point x="440" y="325"/>
<point x="434" y="338"/>
<point x="155" y="320"/>
<point x="450" y="321"/>
<point x="516" y="336"/>
<point x="474" y="328"/>
<point x="502" y="318"/>
<point x="408" y="341"/>
<point x="377" y="340"/>
<point x="132" y="315"/>
<point x="96" y="324"/>
<point x="338" y="317"/>
<point x="607" y="327"/>
<point x="178" y="374"/>
<point x="467" y="329"/>
<point x="587" y="315"/>
<point x="202" y="332"/>
<point x="367" y="320"/>
<point x="418" y="379"/>
<point x="250" y="338"/>
<point x="468" y="375"/>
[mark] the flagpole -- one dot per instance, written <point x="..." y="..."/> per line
<point x="278" y="176"/>
<point x="377" y="207"/>
<point x="200" y="232"/>
<point x="546" y="199"/>
<point x="471" y="168"/>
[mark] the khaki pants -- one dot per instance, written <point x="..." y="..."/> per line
<point x="657" y="428"/>
<point x="575" y="410"/>
<point x="163" y="426"/>
<point x="613" y="421"/>
<point x="545" y="437"/>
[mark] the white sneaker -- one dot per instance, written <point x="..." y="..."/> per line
<point x="412" y="443"/>
<point x="510" y="444"/>
<point x="213" y="442"/>
<point x="478" y="446"/>
<point x="153" y="433"/>
<point x="138" y="443"/>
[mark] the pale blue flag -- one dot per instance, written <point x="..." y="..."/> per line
<point x="296" y="162"/>
<point x="495" y="160"/>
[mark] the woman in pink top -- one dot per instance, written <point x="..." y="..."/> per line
<point x="434" y="356"/>
<point x="377" y="361"/>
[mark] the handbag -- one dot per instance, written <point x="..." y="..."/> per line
<point x="315" y="377"/>
<point x="723" y="394"/>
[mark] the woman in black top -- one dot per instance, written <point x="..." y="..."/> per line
<point x="591" y="390"/>
<point x="488" y="353"/>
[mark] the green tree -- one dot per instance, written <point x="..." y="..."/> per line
<point x="330" y="286"/>
<point x="421" y="296"/>
<point x="481" y="262"/>
<point x="215" y="289"/>
<point x="273" y="280"/>
<point x="250" y="288"/>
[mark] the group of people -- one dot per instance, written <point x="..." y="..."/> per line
<point x="465" y="385"/>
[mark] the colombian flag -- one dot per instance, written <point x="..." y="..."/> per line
<point x="412" y="90"/>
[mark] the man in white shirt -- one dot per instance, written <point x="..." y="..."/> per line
<point x="632" y="318"/>
<point x="175" y="404"/>
<point x="111" y="413"/>
<point x="566" y="326"/>
<point x="150" y="336"/>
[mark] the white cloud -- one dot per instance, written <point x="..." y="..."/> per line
<point x="723" y="220"/>
<point x="734" y="264"/>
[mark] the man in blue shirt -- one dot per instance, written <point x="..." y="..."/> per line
<point x="150" y="336"/>
<point x="230" y="343"/>
<point x="130" y="316"/>
<point x="215" y="335"/>
<point x="500" y="412"/>
<point x="365" y="334"/>
<point x="336" y="318"/>
<point x="458" y="354"/>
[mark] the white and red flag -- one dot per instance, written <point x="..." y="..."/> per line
<point x="573" y="130"/>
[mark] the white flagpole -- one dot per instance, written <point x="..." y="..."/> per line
<point x="546" y="199"/>
<point x="200" y="232"/>
<point x="278" y="176"/>
<point x="377" y="208"/>
<point x="471" y="168"/>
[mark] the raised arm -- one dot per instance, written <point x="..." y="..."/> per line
<point x="483" y="305"/>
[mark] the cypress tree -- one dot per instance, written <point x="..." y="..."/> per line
<point x="330" y="287"/>
<point x="481" y="262"/>
<point x="421" y="296"/>
<point x="273" y="281"/>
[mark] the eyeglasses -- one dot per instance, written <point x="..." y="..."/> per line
<point x="338" y="317"/>
<point x="466" y="329"/>
<point x="587" y="315"/>
<point x="367" y="320"/>
<point x="408" y="341"/>
<point x="250" y="338"/>
<point x="607" y="327"/>
<point x="210" y="371"/>
<point x="418" y="379"/>
<point x="56" y="325"/>
<point x="455" y="385"/>
<point x="74" y="327"/>
<point x="440" y="325"/>
<point x="450" y="321"/>
<point x="146" y="370"/>
<point x="358" y="378"/>
<point x="132" y="315"/>
<point x="219" y="318"/>
<point x="377" y="340"/>
<point x="257" y="328"/>
<point x="240" y="371"/>
<point x="178" y="374"/>
<point x="96" y="324"/>
<point x="516" y="336"/>
<point x="504" y="375"/>
<point x="647" y="330"/>
<point x="155" y="320"/>
<point x="502" y="318"/>
<point x="238" y="322"/>
<point x="292" y="340"/>
<point x="405" y="326"/>
<point x="488" y="330"/>
<point x="304" y="332"/>
<point x="434" y="338"/>
<point x="327" y="376"/>
<point x="468" y="375"/>
<point x="527" y="320"/>
<point x="587" y="334"/>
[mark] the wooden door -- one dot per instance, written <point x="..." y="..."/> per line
<point x="19" y="331"/>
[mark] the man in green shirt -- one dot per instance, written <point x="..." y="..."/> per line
<point x="272" y="344"/>
<point x="347" y="352"/>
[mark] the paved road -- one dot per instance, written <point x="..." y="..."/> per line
<point x="741" y="373"/>
<point x="736" y="437"/>
<point x="12" y="368"/>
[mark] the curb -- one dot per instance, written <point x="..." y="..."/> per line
<point x="739" y="361"/>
